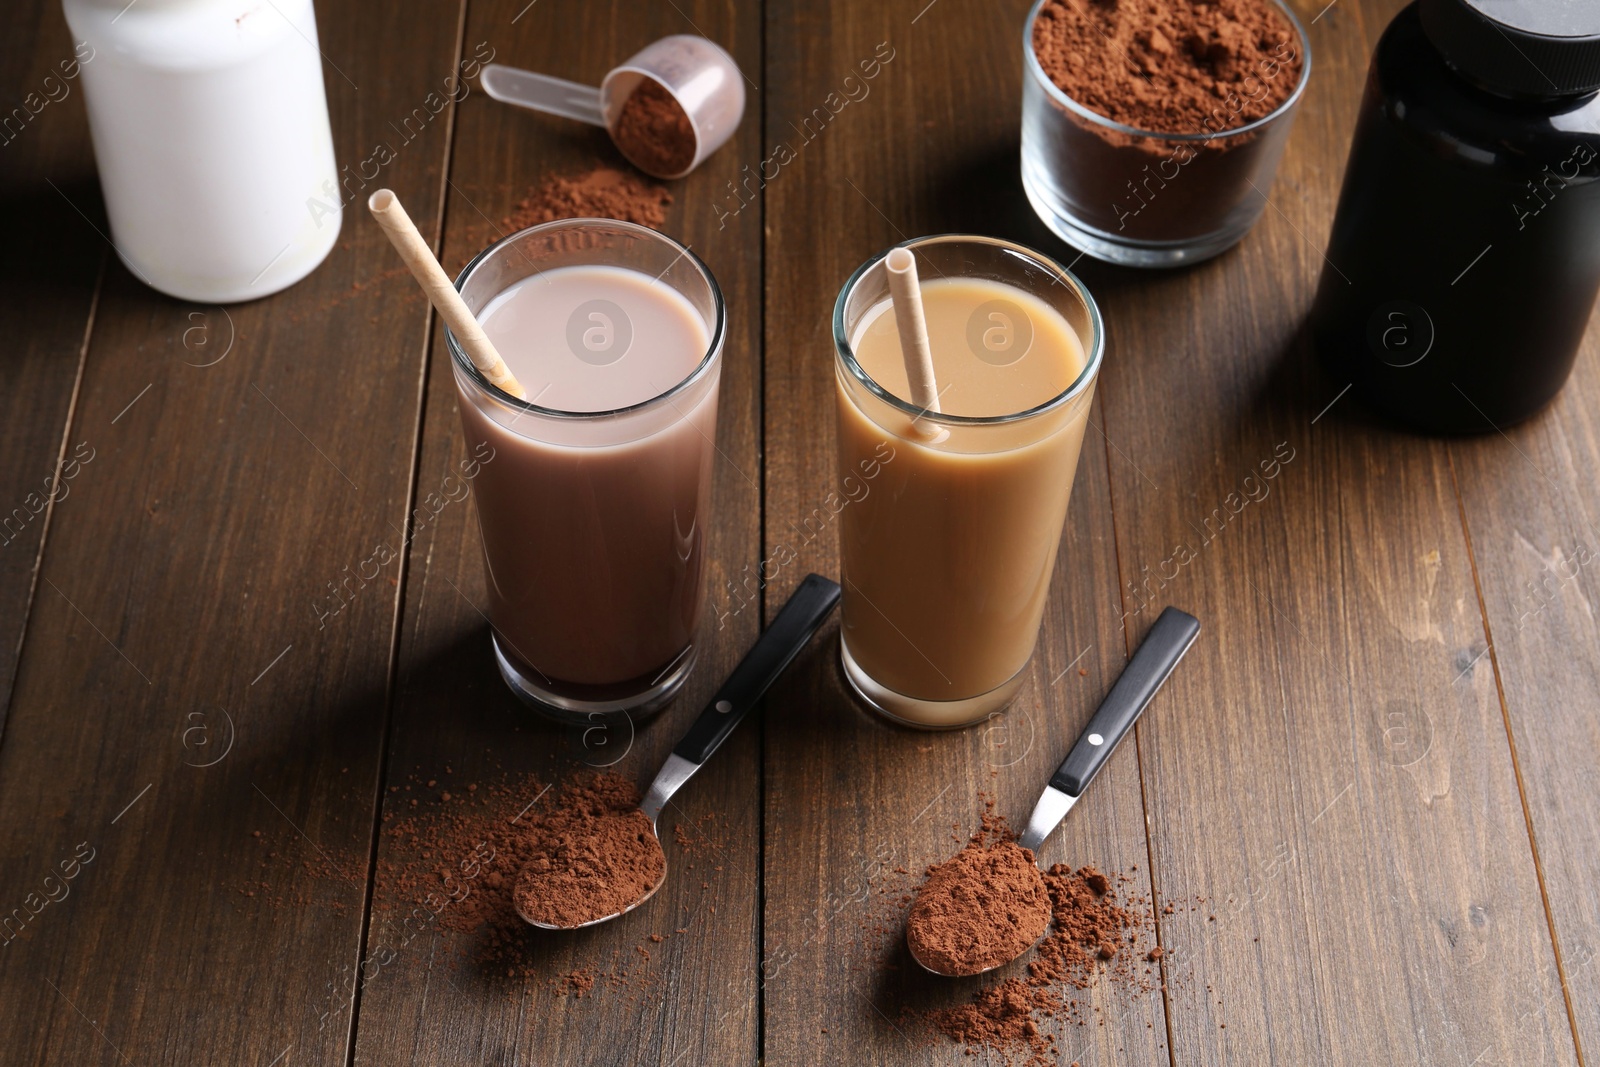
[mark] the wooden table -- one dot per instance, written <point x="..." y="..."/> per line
<point x="1377" y="766"/>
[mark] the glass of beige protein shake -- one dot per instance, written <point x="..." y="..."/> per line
<point x="947" y="562"/>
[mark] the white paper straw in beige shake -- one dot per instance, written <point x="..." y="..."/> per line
<point x="385" y="207"/>
<point x="912" y="324"/>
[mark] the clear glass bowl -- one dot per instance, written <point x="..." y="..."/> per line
<point x="1139" y="198"/>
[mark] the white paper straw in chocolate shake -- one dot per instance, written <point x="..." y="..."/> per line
<point x="912" y="324"/>
<point x="385" y="207"/>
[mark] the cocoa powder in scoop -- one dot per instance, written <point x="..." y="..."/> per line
<point x="1170" y="66"/>
<point x="594" y="855"/>
<point x="981" y="908"/>
<point x="654" y="131"/>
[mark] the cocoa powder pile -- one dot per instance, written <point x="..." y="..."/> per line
<point x="979" y="909"/>
<point x="452" y="862"/>
<point x="601" y="193"/>
<point x="1170" y="66"/>
<point x="654" y="131"/>
<point x="593" y="856"/>
<point x="1092" y="936"/>
<point x="454" y="853"/>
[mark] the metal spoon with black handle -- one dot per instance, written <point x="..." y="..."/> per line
<point x="1154" y="660"/>
<point x="1150" y="666"/>
<point x="801" y="617"/>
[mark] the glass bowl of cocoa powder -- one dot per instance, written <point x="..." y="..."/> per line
<point x="1151" y="129"/>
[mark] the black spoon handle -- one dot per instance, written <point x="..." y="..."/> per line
<point x="1152" y="662"/>
<point x="800" y="618"/>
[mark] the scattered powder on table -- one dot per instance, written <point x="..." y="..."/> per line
<point x="1167" y="65"/>
<point x="982" y="908"/>
<point x="654" y="131"/>
<point x="448" y="867"/>
<point x="453" y="866"/>
<point x="577" y="983"/>
<point x="594" y="855"/>
<point x="1092" y="935"/>
<point x="601" y="193"/>
<point x="290" y="879"/>
<point x="702" y="838"/>
<point x="457" y="860"/>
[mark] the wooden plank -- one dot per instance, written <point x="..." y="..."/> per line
<point x="438" y="1002"/>
<point x="178" y="625"/>
<point x="1339" y="789"/>
<point x="50" y="266"/>
<point x="1529" y="502"/>
<point x="931" y="147"/>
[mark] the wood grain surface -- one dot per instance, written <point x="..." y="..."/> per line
<point x="855" y="807"/>
<point x="1367" y="793"/>
<point x="177" y="625"/>
<point x="1350" y="815"/>
<point x="441" y="1001"/>
<point x="50" y="270"/>
<point x="1529" y="499"/>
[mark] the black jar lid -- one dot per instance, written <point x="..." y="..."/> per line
<point x="1538" y="48"/>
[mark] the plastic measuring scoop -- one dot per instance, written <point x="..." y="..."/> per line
<point x="702" y="78"/>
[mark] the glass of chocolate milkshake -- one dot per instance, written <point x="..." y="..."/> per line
<point x="593" y="494"/>
<point x="1150" y="133"/>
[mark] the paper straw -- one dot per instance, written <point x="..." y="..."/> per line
<point x="385" y="207"/>
<point x="912" y="324"/>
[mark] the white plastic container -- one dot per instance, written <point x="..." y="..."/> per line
<point x="210" y="128"/>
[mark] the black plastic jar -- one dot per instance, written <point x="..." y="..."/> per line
<point x="1465" y="254"/>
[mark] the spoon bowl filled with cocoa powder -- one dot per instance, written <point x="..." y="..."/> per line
<point x="595" y="859"/>
<point x="601" y="857"/>
<point x="988" y="904"/>
<point x="667" y="108"/>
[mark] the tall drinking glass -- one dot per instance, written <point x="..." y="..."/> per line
<point x="948" y="554"/>
<point x="593" y="495"/>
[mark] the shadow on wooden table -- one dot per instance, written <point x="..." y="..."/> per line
<point x="983" y="194"/>
<point x="34" y="219"/>
<point x="454" y="716"/>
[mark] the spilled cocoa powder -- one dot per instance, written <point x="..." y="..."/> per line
<point x="1094" y="935"/>
<point x="983" y="907"/>
<point x="654" y="131"/>
<point x="456" y="860"/>
<point x="600" y="193"/>
<point x="704" y="837"/>
<point x="1170" y="66"/>
<point x="452" y="865"/>
<point x="595" y="855"/>
<point x="453" y="845"/>
<point x="577" y="983"/>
